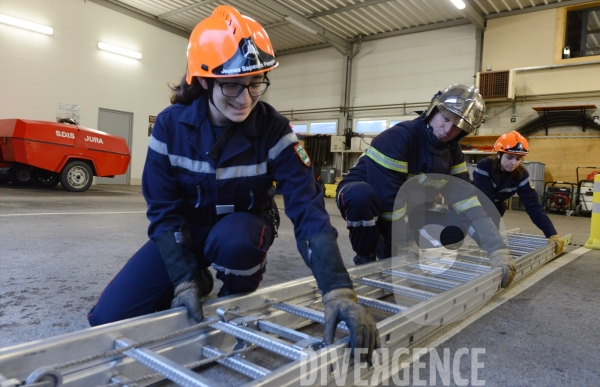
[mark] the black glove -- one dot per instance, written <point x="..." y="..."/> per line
<point x="322" y="255"/>
<point x="188" y="294"/>
<point x="178" y="257"/>
<point x="342" y="305"/>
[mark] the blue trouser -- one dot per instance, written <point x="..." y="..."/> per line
<point x="236" y="247"/>
<point x="360" y="207"/>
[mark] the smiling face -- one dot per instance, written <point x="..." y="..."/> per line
<point x="442" y="125"/>
<point x="509" y="162"/>
<point x="231" y="109"/>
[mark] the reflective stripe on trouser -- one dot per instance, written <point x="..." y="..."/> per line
<point x="143" y="285"/>
<point x="240" y="257"/>
<point x="360" y="207"/>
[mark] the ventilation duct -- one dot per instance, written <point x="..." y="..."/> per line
<point x="496" y="85"/>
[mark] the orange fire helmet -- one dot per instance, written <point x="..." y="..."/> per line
<point x="229" y="44"/>
<point x="513" y="143"/>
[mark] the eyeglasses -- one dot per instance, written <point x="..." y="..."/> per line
<point x="235" y="89"/>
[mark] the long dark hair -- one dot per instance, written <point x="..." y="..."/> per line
<point x="184" y="93"/>
<point x="517" y="174"/>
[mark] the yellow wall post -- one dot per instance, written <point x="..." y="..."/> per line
<point x="594" y="241"/>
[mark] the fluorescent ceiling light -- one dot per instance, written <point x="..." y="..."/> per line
<point x="301" y="25"/>
<point x="458" y="4"/>
<point x="13" y="21"/>
<point x="119" y="50"/>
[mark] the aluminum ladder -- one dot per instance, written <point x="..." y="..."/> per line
<point x="266" y="338"/>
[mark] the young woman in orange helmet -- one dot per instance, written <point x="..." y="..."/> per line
<point x="212" y="159"/>
<point x="502" y="175"/>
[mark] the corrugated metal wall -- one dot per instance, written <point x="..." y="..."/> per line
<point x="408" y="68"/>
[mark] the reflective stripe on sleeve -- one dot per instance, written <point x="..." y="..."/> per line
<point x="526" y="181"/>
<point x="481" y="172"/>
<point x="395" y="215"/>
<point x="458" y="168"/>
<point x="464" y="205"/>
<point x="386" y="162"/>
<point x="283" y="143"/>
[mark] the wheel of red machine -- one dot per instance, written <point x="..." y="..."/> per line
<point x="76" y="176"/>
<point x="20" y="174"/>
<point x="45" y="179"/>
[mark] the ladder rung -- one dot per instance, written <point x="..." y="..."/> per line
<point x="281" y="331"/>
<point x="397" y="289"/>
<point x="263" y="340"/>
<point x="423" y="280"/>
<point x="444" y="272"/>
<point x="307" y="313"/>
<point x="236" y="363"/>
<point x="381" y="305"/>
<point x="171" y="370"/>
<point x="463" y="265"/>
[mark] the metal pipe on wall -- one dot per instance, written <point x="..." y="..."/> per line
<point x="348" y="83"/>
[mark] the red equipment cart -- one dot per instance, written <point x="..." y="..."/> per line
<point x="46" y="153"/>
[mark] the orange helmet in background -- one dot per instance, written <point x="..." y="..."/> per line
<point x="228" y="44"/>
<point x="513" y="143"/>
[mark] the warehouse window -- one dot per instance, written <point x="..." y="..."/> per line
<point x="578" y="33"/>
<point x="314" y="127"/>
<point x="323" y="127"/>
<point x="370" y="126"/>
<point x="378" y="125"/>
<point x="299" y="128"/>
<point x="582" y="35"/>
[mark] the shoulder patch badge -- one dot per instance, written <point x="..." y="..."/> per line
<point x="531" y="184"/>
<point x="302" y="155"/>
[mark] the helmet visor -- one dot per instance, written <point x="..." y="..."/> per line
<point x="456" y="120"/>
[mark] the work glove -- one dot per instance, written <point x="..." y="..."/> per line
<point x="188" y="294"/>
<point x="342" y="305"/>
<point x="501" y="258"/>
<point x="560" y="243"/>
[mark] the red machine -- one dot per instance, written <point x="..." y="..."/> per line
<point x="46" y="153"/>
<point x="558" y="196"/>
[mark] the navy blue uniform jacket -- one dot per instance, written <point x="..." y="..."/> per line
<point x="498" y="190"/>
<point x="182" y="183"/>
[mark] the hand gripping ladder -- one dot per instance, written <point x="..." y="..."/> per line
<point x="267" y="338"/>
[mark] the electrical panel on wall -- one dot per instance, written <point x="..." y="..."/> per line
<point x="338" y="143"/>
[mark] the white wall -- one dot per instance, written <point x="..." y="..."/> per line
<point x="39" y="71"/>
<point x="307" y="80"/>
<point x="412" y="68"/>
<point x="409" y="68"/>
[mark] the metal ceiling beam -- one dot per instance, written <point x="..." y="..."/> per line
<point x="145" y="17"/>
<point x="348" y="8"/>
<point x="383" y="35"/>
<point x="537" y="8"/>
<point x="186" y="8"/>
<point x="300" y="21"/>
<point x="474" y="17"/>
<point x="413" y="30"/>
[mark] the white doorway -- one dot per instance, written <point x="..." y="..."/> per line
<point x="120" y="124"/>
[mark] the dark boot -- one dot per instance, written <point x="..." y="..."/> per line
<point x="361" y="260"/>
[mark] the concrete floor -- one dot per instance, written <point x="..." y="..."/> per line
<point x="59" y="249"/>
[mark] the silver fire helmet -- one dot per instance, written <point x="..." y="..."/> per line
<point x="464" y="101"/>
